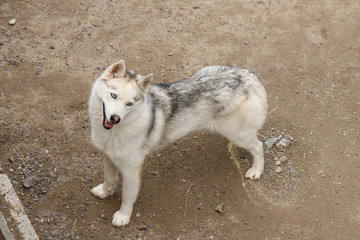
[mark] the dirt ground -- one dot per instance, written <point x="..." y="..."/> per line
<point x="307" y="56"/>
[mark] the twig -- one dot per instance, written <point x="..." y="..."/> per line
<point x="186" y="199"/>
<point x="273" y="109"/>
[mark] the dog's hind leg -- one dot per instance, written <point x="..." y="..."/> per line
<point x="131" y="177"/>
<point x="110" y="179"/>
<point x="249" y="141"/>
<point x="245" y="138"/>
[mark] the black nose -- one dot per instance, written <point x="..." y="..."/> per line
<point x="115" y="119"/>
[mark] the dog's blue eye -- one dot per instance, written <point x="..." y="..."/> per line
<point x="113" y="95"/>
<point x="129" y="104"/>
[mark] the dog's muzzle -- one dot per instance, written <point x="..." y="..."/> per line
<point x="115" y="119"/>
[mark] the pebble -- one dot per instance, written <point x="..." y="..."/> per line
<point x="277" y="163"/>
<point x="195" y="6"/>
<point x="284" y="142"/>
<point x="1" y="43"/>
<point x="12" y="21"/>
<point x="31" y="181"/>
<point x="219" y="208"/>
<point x="283" y="159"/>
<point x="52" y="47"/>
<point x="171" y="54"/>
<point x="278" y="170"/>
<point x="200" y="207"/>
<point x="270" y="142"/>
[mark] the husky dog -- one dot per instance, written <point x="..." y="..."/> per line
<point x="130" y="117"/>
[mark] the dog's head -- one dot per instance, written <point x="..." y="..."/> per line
<point x="122" y="93"/>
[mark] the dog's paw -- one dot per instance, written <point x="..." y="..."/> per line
<point x="120" y="219"/>
<point x="99" y="192"/>
<point x="253" y="173"/>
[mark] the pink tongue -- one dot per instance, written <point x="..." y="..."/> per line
<point x="108" y="124"/>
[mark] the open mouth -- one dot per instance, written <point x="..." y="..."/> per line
<point x="107" y="125"/>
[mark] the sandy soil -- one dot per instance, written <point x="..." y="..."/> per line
<point x="305" y="52"/>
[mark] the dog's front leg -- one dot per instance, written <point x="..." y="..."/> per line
<point x="131" y="186"/>
<point x="110" y="179"/>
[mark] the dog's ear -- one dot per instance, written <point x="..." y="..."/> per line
<point x="144" y="82"/>
<point x="116" y="70"/>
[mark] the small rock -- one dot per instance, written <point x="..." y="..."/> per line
<point x="200" y="207"/>
<point x="171" y="54"/>
<point x="278" y="170"/>
<point x="47" y="214"/>
<point x="270" y="142"/>
<point x="195" y="6"/>
<point x="277" y="163"/>
<point x="52" y="47"/>
<point x="138" y="214"/>
<point x="12" y="21"/>
<point x="1" y="43"/>
<point x="294" y="186"/>
<point x="31" y="181"/>
<point x="283" y="159"/>
<point x="99" y="48"/>
<point x="284" y="142"/>
<point x="219" y="208"/>
<point x="103" y="216"/>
